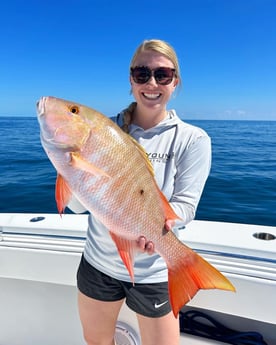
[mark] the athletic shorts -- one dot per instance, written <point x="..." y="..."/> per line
<point x="151" y="300"/>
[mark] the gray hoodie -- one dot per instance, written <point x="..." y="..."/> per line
<point x="181" y="157"/>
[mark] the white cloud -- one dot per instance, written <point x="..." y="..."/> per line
<point x="235" y="112"/>
<point x="241" y="112"/>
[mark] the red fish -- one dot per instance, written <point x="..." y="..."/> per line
<point x="112" y="177"/>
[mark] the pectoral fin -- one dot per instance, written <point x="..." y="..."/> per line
<point x="82" y="164"/>
<point x="63" y="194"/>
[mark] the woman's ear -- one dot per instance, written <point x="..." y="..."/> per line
<point x="175" y="82"/>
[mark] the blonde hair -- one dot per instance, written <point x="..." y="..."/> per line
<point x="160" y="47"/>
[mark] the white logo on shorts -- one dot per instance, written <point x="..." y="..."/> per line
<point x="159" y="305"/>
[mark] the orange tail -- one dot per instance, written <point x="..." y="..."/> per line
<point x="186" y="277"/>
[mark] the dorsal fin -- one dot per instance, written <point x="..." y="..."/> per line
<point x="144" y="154"/>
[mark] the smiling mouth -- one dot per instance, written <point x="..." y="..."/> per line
<point x="151" y="96"/>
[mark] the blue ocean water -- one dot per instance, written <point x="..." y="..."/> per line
<point x="241" y="187"/>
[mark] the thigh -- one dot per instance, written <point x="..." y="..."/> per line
<point x="98" y="319"/>
<point x="100" y="299"/>
<point x="161" y="330"/>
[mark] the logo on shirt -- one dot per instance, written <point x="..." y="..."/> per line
<point x="158" y="157"/>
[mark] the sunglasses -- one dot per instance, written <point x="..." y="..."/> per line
<point x="162" y="75"/>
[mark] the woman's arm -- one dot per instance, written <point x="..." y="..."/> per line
<point x="193" y="168"/>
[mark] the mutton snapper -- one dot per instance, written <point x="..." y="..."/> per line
<point x="112" y="177"/>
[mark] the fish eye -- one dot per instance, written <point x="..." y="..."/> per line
<point x="74" y="109"/>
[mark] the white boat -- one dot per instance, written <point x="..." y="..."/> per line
<point x="39" y="256"/>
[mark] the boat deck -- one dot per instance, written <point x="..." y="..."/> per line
<point x="39" y="256"/>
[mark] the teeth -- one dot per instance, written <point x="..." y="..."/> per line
<point x="152" y="95"/>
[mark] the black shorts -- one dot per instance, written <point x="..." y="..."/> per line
<point x="151" y="300"/>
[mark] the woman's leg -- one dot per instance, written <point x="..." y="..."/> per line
<point x="162" y="330"/>
<point x="98" y="319"/>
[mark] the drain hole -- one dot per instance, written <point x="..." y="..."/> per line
<point x="264" y="236"/>
<point x="37" y="219"/>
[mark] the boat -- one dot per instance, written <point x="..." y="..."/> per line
<point x="40" y="253"/>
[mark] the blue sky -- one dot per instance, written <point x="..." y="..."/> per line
<point x="80" y="50"/>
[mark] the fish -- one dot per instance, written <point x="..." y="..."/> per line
<point x="111" y="175"/>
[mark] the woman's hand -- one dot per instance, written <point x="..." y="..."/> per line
<point x="169" y="224"/>
<point x="145" y="246"/>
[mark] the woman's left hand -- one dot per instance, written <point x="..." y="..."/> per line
<point x="145" y="246"/>
<point x="148" y="246"/>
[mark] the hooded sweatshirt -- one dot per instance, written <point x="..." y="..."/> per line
<point x="181" y="157"/>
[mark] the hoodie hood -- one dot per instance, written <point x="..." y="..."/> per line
<point x="171" y="120"/>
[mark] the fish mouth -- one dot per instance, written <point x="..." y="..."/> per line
<point x="40" y="106"/>
<point x="40" y="109"/>
<point x="45" y="135"/>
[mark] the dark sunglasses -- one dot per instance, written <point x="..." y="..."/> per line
<point x="162" y="75"/>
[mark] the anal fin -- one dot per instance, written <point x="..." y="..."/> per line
<point x="126" y="250"/>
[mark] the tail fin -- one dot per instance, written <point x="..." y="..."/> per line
<point x="186" y="277"/>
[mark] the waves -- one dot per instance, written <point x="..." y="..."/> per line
<point x="241" y="187"/>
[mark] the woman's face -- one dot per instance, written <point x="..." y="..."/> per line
<point x="152" y="95"/>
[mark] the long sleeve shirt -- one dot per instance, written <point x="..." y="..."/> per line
<point x="181" y="157"/>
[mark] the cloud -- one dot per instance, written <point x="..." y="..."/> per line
<point x="241" y="112"/>
<point x="235" y="112"/>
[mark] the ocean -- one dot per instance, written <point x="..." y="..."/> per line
<point x="241" y="187"/>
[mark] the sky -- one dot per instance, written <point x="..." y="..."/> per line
<point x="80" y="50"/>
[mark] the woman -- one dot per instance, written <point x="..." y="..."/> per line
<point x="181" y="157"/>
